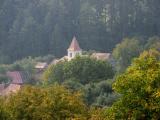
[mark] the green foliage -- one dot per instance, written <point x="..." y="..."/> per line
<point x="87" y="70"/>
<point x="40" y="27"/>
<point x="84" y="74"/>
<point x="54" y="73"/>
<point x="26" y="64"/>
<point x="4" y="68"/>
<point x="125" y="52"/>
<point x="3" y="113"/>
<point x="73" y="84"/>
<point x="153" y="43"/>
<point x="139" y="87"/>
<point x="52" y="103"/>
<point x="47" y="58"/>
<point x="82" y="69"/>
<point x="106" y="99"/>
<point x="4" y="79"/>
<point x="97" y="114"/>
<point x="99" y="94"/>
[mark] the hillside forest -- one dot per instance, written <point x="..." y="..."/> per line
<point x="42" y="27"/>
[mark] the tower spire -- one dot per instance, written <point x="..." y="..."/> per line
<point x="74" y="46"/>
<point x="74" y="49"/>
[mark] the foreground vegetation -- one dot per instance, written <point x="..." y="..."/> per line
<point x="93" y="77"/>
<point x="139" y="87"/>
<point x="51" y="103"/>
<point x="138" y="90"/>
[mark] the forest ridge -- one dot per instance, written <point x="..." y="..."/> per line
<point x="41" y="27"/>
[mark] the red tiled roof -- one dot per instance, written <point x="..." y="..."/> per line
<point x="74" y="45"/>
<point x="15" y="77"/>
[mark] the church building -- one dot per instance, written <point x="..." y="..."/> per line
<point x="74" y="49"/>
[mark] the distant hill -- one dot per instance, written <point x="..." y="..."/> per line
<point x="40" y="27"/>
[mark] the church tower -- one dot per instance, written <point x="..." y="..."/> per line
<point x="74" y="49"/>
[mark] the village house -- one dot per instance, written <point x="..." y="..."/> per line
<point x="40" y="66"/>
<point x="17" y="78"/>
<point x="101" y="56"/>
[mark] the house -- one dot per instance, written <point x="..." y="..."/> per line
<point x="18" y="79"/>
<point x="41" y="66"/>
<point x="101" y="56"/>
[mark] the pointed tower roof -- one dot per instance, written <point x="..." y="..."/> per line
<point x="74" y="45"/>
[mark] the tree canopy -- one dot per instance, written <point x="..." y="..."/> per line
<point x="84" y="74"/>
<point x="52" y="103"/>
<point x="81" y="69"/>
<point x="139" y="89"/>
<point x="125" y="51"/>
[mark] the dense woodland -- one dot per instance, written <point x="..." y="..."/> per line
<point x="41" y="27"/>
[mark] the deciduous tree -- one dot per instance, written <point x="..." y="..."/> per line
<point x="139" y="89"/>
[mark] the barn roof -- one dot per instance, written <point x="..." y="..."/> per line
<point x="74" y="46"/>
